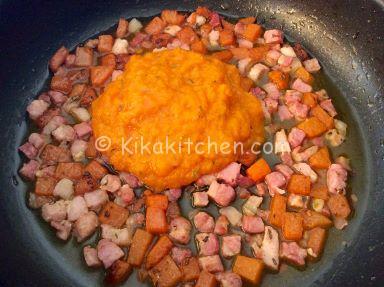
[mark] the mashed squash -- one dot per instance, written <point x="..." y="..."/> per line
<point x="176" y="96"/>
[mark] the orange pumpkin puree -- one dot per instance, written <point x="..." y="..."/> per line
<point x="176" y="96"/>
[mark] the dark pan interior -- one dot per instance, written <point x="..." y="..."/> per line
<point x="347" y="38"/>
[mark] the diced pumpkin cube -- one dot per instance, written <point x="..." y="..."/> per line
<point x="299" y="184"/>
<point x="225" y="55"/>
<point x="105" y="43"/>
<point x="277" y="208"/>
<point x="309" y="99"/>
<point x="226" y="38"/>
<point x="140" y="244"/>
<point x="249" y="269"/>
<point x="113" y="214"/>
<point x="339" y="205"/>
<point x="156" y="220"/>
<point x="206" y="279"/>
<point x="258" y="53"/>
<point x="240" y="53"/>
<point x="44" y="186"/>
<point x="312" y="127"/>
<point x="316" y="242"/>
<point x="280" y="79"/>
<point x="190" y="269"/>
<point x="321" y="159"/>
<point x="157" y="200"/>
<point x="292" y="226"/>
<point x="158" y="251"/>
<point x="303" y="74"/>
<point x="252" y="32"/>
<point x="199" y="47"/>
<point x="258" y="170"/>
<point x="314" y="219"/>
<point x="165" y="273"/>
<point x="320" y="192"/>
<point x="100" y="74"/>
<point x="323" y="116"/>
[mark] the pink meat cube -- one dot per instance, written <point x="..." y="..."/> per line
<point x="207" y="243"/>
<point x="252" y="224"/>
<point x="204" y="222"/>
<point x="296" y="137"/>
<point x="230" y="173"/>
<point x="211" y="263"/>
<point x="222" y="194"/>
<point x="231" y="245"/>
<point x="221" y="226"/>
<point x="200" y="199"/>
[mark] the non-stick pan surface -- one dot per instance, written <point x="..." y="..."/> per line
<point x="347" y="38"/>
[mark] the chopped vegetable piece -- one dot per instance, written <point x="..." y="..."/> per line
<point x="323" y="116"/>
<point x="299" y="184"/>
<point x="309" y="99"/>
<point x="312" y="127"/>
<point x="140" y="244"/>
<point x="161" y="248"/>
<point x="96" y="170"/>
<point x="252" y="32"/>
<point x="155" y="26"/>
<point x="339" y="206"/>
<point x="258" y="170"/>
<point x="225" y="55"/>
<point x="320" y="192"/>
<point x="226" y="38"/>
<point x="157" y="200"/>
<point x="280" y="79"/>
<point x="100" y="74"/>
<point x="277" y="209"/>
<point x="292" y="226"/>
<point x="113" y="214"/>
<point x="321" y="159"/>
<point x="246" y="83"/>
<point x="166" y="273"/>
<point x="258" y="53"/>
<point x="199" y="47"/>
<point x="250" y="269"/>
<point x="316" y="241"/>
<point x="156" y="220"/>
<point x="190" y="269"/>
<point x="314" y="219"/>
<point x="240" y="53"/>
<point x="206" y="279"/>
<point x="303" y="74"/>
<point x="45" y="186"/>
<point x="118" y="272"/>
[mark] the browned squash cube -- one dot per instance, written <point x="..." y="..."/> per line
<point x="190" y="269"/>
<point x="166" y="273"/>
<point x="113" y="214"/>
<point x="292" y="226"/>
<point x="140" y="244"/>
<point x="316" y="242"/>
<point x="250" y="269"/>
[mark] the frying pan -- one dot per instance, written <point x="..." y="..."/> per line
<point x="347" y="38"/>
